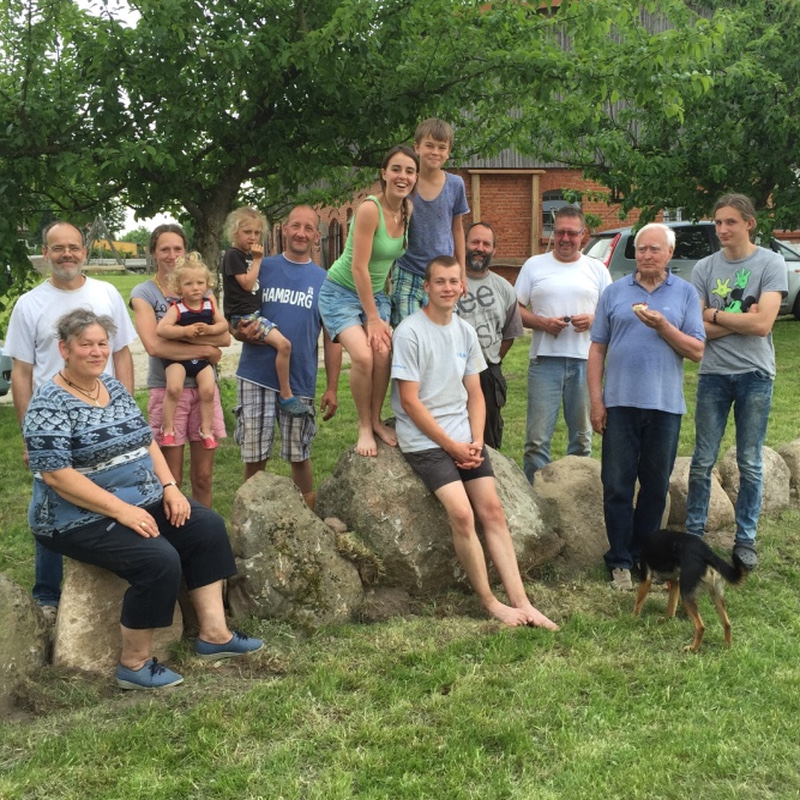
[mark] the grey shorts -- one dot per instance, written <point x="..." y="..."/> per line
<point x="257" y="413"/>
<point x="437" y="468"/>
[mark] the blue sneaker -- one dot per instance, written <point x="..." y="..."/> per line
<point x="294" y="407"/>
<point x="151" y="676"/>
<point x="237" y="646"/>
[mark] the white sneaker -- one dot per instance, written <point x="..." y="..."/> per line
<point x="621" y="580"/>
<point x="49" y="613"/>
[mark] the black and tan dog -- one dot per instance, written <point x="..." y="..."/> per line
<point x="689" y="564"/>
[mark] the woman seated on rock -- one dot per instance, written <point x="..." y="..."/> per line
<point x="103" y="494"/>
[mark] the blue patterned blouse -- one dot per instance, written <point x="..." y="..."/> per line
<point x="108" y="445"/>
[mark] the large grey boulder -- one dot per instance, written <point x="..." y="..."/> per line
<point x="570" y="495"/>
<point x="720" y="508"/>
<point x="790" y="453"/>
<point x="384" y="503"/>
<point x="287" y="557"/>
<point x="87" y="632"/>
<point x="777" y="479"/>
<point x="23" y="639"/>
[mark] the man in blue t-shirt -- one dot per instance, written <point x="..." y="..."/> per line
<point x="645" y="325"/>
<point x="290" y="286"/>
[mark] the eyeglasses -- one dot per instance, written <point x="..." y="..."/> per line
<point x="72" y="249"/>
<point x="572" y="234"/>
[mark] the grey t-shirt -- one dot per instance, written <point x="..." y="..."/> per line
<point x="491" y="308"/>
<point x="437" y="357"/>
<point x="734" y="286"/>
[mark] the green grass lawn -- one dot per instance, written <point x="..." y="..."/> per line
<point x="446" y="705"/>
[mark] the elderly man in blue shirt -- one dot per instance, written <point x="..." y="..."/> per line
<point x="645" y="325"/>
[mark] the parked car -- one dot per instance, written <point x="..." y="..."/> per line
<point x="693" y="241"/>
<point x="5" y="371"/>
<point x="791" y="254"/>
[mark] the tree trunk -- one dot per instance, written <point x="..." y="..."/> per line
<point x="209" y="220"/>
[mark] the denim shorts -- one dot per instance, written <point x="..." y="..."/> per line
<point x="264" y="325"/>
<point x="341" y="309"/>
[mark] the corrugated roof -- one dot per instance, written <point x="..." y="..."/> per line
<point x="507" y="159"/>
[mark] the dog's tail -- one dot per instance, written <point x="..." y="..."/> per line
<point x="734" y="574"/>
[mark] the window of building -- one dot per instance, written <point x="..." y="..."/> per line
<point x="674" y="214"/>
<point x="334" y="240"/>
<point x="551" y="202"/>
<point x="324" y="241"/>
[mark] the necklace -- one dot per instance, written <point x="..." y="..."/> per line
<point x="158" y="284"/>
<point x="395" y="214"/>
<point x="93" y="394"/>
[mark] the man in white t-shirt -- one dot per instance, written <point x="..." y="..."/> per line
<point x="558" y="293"/>
<point x="440" y="411"/>
<point x="31" y="342"/>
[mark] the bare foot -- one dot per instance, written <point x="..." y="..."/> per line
<point x="385" y="434"/>
<point x="366" y="444"/>
<point x="536" y="619"/>
<point x="506" y="614"/>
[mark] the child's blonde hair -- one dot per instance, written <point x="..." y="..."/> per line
<point x="239" y="216"/>
<point x="188" y="263"/>
<point x="436" y="128"/>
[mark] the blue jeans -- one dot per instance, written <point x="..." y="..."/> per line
<point x="49" y="571"/>
<point x="750" y="394"/>
<point x="637" y="443"/>
<point x="550" y="380"/>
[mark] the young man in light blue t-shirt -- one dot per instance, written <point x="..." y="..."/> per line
<point x="438" y="402"/>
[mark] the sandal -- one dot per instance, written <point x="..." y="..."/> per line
<point x="209" y="441"/>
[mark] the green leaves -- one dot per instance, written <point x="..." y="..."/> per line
<point x="199" y="105"/>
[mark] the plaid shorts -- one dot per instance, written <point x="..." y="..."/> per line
<point x="187" y="415"/>
<point x="408" y="294"/>
<point x="255" y="412"/>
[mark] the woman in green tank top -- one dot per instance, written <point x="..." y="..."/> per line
<point x="352" y="301"/>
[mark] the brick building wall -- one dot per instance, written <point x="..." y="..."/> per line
<point x="506" y="203"/>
